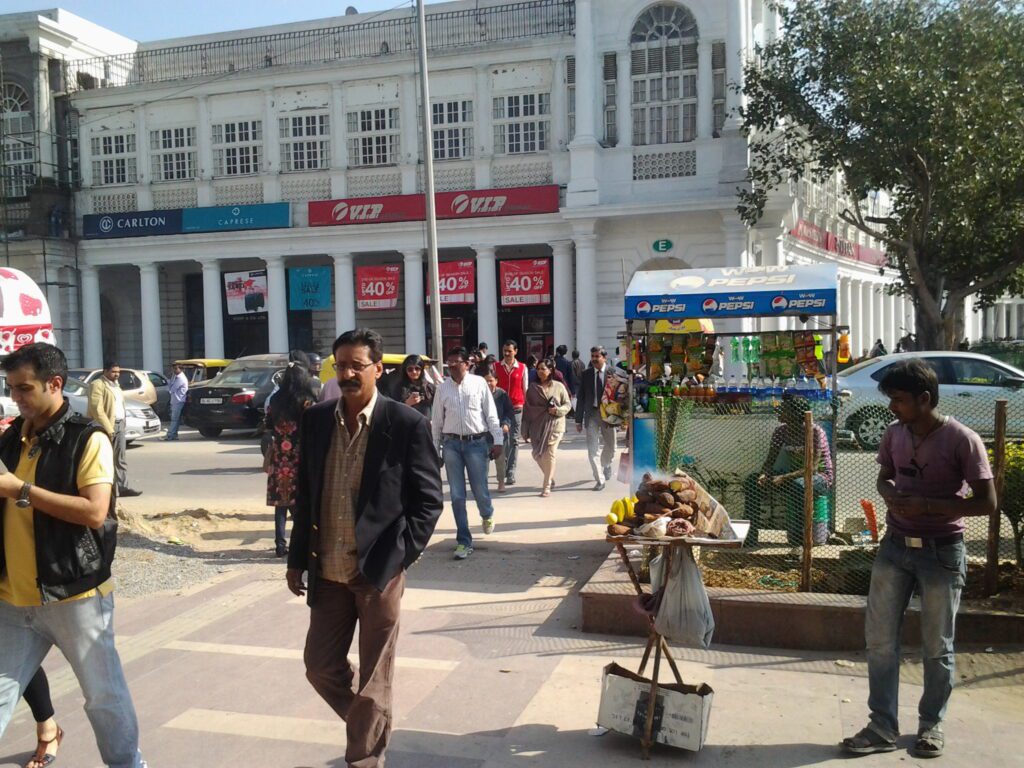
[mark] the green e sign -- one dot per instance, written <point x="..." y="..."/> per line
<point x="662" y="246"/>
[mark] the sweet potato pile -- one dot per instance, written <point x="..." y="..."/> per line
<point x="676" y="499"/>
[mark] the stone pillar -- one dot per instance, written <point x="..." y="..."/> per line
<point x="42" y="104"/>
<point x="857" y="332"/>
<point x="846" y="313"/>
<point x="705" y="90"/>
<point x="583" y="185"/>
<point x="624" y="98"/>
<point x="1014" y="331"/>
<point x="213" y="310"/>
<point x="487" y="297"/>
<point x="339" y="143"/>
<point x="92" y="322"/>
<point x="587" y="334"/>
<point x="277" y="305"/>
<point x="415" y="303"/>
<point x="143" y="169"/>
<point x="561" y="294"/>
<point x="85" y="153"/>
<point x="409" y="152"/>
<point x="484" y="134"/>
<point x="271" y="151"/>
<point x="152" y="342"/>
<point x="204" y="153"/>
<point x="734" y="56"/>
<point x="990" y="323"/>
<point x="344" y="294"/>
<point x="879" y="315"/>
<point x="1000" y="309"/>
<point x="559" y="138"/>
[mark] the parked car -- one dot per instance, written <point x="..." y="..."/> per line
<point x="163" y="394"/>
<point x="199" y="369"/>
<point x="134" y="383"/>
<point x="234" y="398"/>
<point x="140" y="419"/>
<point x="969" y="385"/>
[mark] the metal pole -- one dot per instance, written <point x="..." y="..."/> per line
<point x="805" y="565"/>
<point x="428" y="190"/>
<point x="999" y="465"/>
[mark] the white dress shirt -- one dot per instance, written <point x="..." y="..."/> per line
<point x="465" y="409"/>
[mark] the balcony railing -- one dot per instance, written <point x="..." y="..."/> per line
<point x="384" y="37"/>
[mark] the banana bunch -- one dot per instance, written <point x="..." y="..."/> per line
<point x="621" y="510"/>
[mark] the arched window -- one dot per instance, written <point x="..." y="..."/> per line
<point x="663" y="65"/>
<point x="19" y="141"/>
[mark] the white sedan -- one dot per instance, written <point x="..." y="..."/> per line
<point x="140" y="419"/>
<point x="969" y="385"/>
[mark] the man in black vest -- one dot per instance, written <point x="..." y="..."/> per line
<point x="57" y="541"/>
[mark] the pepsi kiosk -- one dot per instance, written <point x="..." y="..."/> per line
<point x="725" y="388"/>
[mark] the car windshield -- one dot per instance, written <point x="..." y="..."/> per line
<point x="859" y="366"/>
<point x="73" y="387"/>
<point x="243" y="377"/>
<point x="80" y="374"/>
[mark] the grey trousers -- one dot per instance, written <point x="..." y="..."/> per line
<point x="120" y="447"/>
<point x="600" y="447"/>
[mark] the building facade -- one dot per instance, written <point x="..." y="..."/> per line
<point x="258" y="191"/>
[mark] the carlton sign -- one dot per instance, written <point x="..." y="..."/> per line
<point x="516" y="201"/>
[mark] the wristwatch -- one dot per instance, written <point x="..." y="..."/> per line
<point x="23" y="501"/>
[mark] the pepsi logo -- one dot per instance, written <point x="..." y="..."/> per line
<point x="709" y="305"/>
<point x="643" y="307"/>
<point x="779" y="303"/>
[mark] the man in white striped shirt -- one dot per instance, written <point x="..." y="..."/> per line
<point x="463" y="418"/>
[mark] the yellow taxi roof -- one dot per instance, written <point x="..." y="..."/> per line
<point x="207" y="362"/>
<point x="390" y="359"/>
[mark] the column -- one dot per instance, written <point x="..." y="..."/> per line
<point x="271" y="151"/>
<point x="846" y="314"/>
<point x="277" y="305"/>
<point x="734" y="55"/>
<point x="559" y="138"/>
<point x="1014" y="319"/>
<point x="213" y="310"/>
<point x="878" y="332"/>
<point x="415" y="304"/>
<point x="45" y="131"/>
<point x="344" y="294"/>
<point x="990" y="323"/>
<point x="85" y="151"/>
<point x="92" y="322"/>
<point x="204" y="150"/>
<point x="772" y="255"/>
<point x="1000" y="309"/>
<point x="143" y="170"/>
<point x="893" y="324"/>
<point x="152" y="343"/>
<point x="484" y="135"/>
<point x="339" y="145"/>
<point x="487" y="297"/>
<point x="624" y="98"/>
<point x="857" y="332"/>
<point x="586" y="74"/>
<point x="409" y="152"/>
<point x="587" y="334"/>
<point x="705" y="90"/>
<point x="561" y="295"/>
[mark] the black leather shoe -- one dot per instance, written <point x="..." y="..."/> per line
<point x="282" y="550"/>
<point x="126" y="492"/>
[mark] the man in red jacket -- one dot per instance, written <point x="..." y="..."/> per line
<point x="513" y="379"/>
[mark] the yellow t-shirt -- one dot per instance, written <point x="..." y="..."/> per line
<point x="18" y="581"/>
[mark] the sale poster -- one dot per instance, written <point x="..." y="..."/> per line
<point x="525" y="282"/>
<point x="377" y="287"/>
<point x="458" y="282"/>
<point x="309" y="288"/>
<point x="246" y="292"/>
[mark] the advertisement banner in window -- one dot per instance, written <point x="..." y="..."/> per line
<point x="246" y="292"/>
<point x="525" y="282"/>
<point x="377" y="287"/>
<point x="309" y="288"/>
<point x="458" y="282"/>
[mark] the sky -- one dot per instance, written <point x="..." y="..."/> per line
<point x="158" y="19"/>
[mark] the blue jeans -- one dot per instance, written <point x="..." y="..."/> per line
<point x="512" y="450"/>
<point x="937" y="574"/>
<point x="461" y="458"/>
<point x="176" y="410"/>
<point x="84" y="632"/>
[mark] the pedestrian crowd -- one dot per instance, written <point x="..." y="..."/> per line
<point x="360" y="475"/>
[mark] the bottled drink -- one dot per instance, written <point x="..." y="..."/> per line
<point x="735" y="345"/>
<point x="755" y="350"/>
<point x="746" y="349"/>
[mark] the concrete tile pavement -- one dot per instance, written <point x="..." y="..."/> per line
<point x="492" y="672"/>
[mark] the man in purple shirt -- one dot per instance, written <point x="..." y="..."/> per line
<point x="933" y="473"/>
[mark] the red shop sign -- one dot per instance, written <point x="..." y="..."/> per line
<point x="525" y="282"/>
<point x="367" y="210"/>
<point x="377" y="287"/>
<point x="840" y="246"/>
<point x="516" y="201"/>
<point x="458" y="283"/>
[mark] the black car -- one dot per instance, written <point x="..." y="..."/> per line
<point x="234" y="398"/>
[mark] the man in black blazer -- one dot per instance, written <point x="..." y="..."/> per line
<point x="368" y="496"/>
<point x="600" y="436"/>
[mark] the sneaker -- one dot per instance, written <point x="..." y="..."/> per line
<point x="607" y="473"/>
<point x="127" y="492"/>
<point x="488" y="526"/>
<point x="599" y="485"/>
<point x="462" y="552"/>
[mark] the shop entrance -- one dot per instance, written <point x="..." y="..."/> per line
<point x="532" y="328"/>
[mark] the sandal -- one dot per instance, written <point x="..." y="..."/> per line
<point x="546" y="492"/>
<point x="41" y="758"/>
<point x="868" y="742"/>
<point x="930" y="743"/>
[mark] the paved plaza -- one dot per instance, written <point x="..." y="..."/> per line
<point x="492" y="668"/>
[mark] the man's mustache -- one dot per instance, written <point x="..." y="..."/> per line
<point x="349" y="384"/>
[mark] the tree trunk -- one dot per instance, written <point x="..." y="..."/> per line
<point x="930" y="335"/>
<point x="953" y="324"/>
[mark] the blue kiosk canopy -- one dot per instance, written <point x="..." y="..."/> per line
<point x="732" y="292"/>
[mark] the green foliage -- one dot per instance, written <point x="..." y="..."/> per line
<point x="1013" y="495"/>
<point x="922" y="99"/>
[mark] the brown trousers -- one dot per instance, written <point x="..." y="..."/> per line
<point x="332" y="622"/>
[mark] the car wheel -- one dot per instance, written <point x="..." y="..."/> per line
<point x="210" y="431"/>
<point x="868" y="426"/>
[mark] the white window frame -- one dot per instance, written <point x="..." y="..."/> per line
<point x="451" y="133"/>
<point x="374" y="137"/>
<point x="570" y="96"/>
<point x="610" y="73"/>
<point x="113" y="159"/>
<point x="172" y="154"/>
<point x="305" y="142"/>
<point x="19" y="145"/>
<point x="237" y="148"/>
<point x="522" y="122"/>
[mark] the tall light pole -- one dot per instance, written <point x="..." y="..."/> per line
<point x="428" y="190"/>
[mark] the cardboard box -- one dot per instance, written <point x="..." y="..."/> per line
<point x="681" y="712"/>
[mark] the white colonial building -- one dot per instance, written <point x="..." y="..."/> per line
<point x="261" y="189"/>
